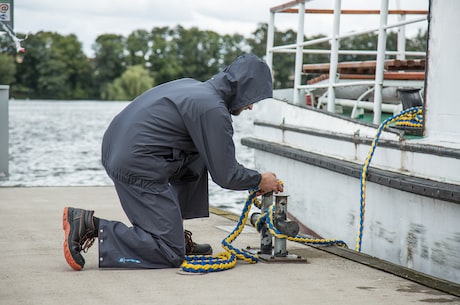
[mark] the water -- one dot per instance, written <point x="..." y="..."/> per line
<point x="57" y="143"/>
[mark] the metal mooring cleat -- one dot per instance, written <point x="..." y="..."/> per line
<point x="278" y="253"/>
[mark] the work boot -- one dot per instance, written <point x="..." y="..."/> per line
<point x="80" y="234"/>
<point x="192" y="248"/>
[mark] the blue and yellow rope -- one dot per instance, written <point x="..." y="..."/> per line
<point x="298" y="238"/>
<point x="411" y="117"/>
<point x="227" y="260"/>
<point x="224" y="260"/>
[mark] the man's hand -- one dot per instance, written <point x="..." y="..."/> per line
<point x="269" y="183"/>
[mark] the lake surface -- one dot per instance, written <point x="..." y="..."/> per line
<point x="57" y="143"/>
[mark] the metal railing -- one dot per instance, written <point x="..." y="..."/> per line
<point x="381" y="52"/>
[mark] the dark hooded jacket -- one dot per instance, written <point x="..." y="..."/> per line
<point x="152" y="139"/>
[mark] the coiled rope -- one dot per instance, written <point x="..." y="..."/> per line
<point x="227" y="259"/>
<point x="411" y="117"/>
<point x="224" y="260"/>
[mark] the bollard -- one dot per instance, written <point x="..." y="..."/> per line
<point x="266" y="237"/>
<point x="4" y="130"/>
<point x="289" y="228"/>
<point x="280" y="216"/>
<point x="278" y="253"/>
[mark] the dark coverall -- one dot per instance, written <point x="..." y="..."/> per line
<point x="158" y="151"/>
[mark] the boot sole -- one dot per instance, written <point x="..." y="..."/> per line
<point x="68" y="256"/>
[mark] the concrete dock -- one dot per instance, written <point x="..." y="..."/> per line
<point x="33" y="269"/>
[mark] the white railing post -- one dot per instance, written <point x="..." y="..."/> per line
<point x="401" y="34"/>
<point x="401" y="39"/>
<point x="381" y="47"/>
<point x="299" y="55"/>
<point x="4" y="131"/>
<point x="334" y="56"/>
<point x="270" y="40"/>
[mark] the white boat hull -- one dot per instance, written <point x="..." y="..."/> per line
<point x="418" y="231"/>
<point x="412" y="206"/>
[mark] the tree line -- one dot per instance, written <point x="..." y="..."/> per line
<point x="56" y="67"/>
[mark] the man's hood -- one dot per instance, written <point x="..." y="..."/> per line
<point x="246" y="81"/>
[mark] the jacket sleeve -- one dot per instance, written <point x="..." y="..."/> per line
<point x="213" y="136"/>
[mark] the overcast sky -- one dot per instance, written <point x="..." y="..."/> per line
<point x="90" y="18"/>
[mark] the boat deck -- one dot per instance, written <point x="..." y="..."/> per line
<point x="33" y="269"/>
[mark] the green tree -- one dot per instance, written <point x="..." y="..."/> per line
<point x="7" y="69"/>
<point x="77" y="71"/>
<point x="109" y="61"/>
<point x="419" y="42"/>
<point x="258" y="41"/>
<point x="7" y="44"/>
<point x="362" y="42"/>
<point x="198" y="52"/>
<point x="50" y="82"/>
<point x="26" y="73"/>
<point x="370" y="42"/>
<point x="179" y="52"/>
<point x="311" y="58"/>
<point x="130" y="84"/>
<point x="137" y="46"/>
<point x="283" y="63"/>
<point x="231" y="46"/>
<point x="54" y="66"/>
<point x="41" y="73"/>
<point x="163" y="60"/>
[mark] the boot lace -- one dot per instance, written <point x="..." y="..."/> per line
<point x="189" y="244"/>
<point x="87" y="241"/>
